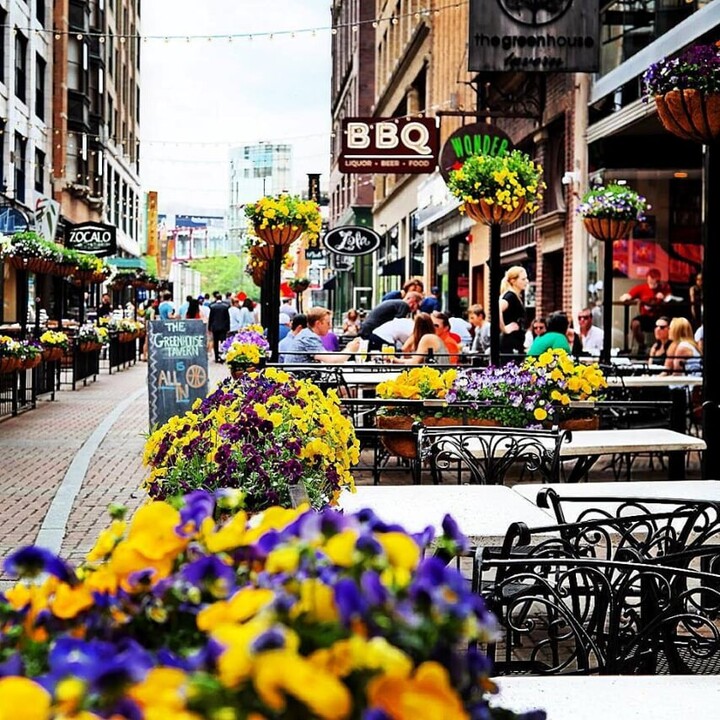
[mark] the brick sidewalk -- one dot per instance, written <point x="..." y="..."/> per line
<point x="38" y="447"/>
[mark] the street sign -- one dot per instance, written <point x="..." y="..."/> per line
<point x="389" y="145"/>
<point x="352" y="240"/>
<point x="534" y="36"/>
<point x="92" y="238"/>
<point x="177" y="367"/>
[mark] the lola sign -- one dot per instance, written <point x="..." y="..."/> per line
<point x="92" y="238"/>
<point x="390" y="145"/>
<point x="351" y="240"/>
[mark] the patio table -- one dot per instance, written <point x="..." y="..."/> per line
<point x="708" y="490"/>
<point x="625" y="697"/>
<point x="654" y="381"/>
<point x="483" y="512"/>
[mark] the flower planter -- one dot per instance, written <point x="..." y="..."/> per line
<point x="8" y="365"/>
<point x="403" y="445"/>
<point x="299" y="287"/>
<point x="40" y="266"/>
<point x="609" y="229"/>
<point x="89" y="346"/>
<point x="492" y="214"/>
<point x="258" y="274"/>
<point x="265" y="252"/>
<point x="19" y="263"/>
<point x="283" y="235"/>
<point x="52" y="354"/>
<point x="84" y="276"/>
<point x="125" y="337"/>
<point x="690" y="114"/>
<point x="64" y="270"/>
<point x="30" y="363"/>
<point x="577" y="424"/>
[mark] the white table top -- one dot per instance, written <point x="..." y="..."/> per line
<point x="680" y="489"/>
<point x="627" y="697"/>
<point x="483" y="512"/>
<point x="633" y="381"/>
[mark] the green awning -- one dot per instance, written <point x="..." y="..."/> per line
<point x="127" y="263"/>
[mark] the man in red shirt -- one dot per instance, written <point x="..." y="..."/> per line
<point x="650" y="296"/>
<point x="442" y="329"/>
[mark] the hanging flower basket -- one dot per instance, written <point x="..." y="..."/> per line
<point x="609" y="229"/>
<point x="85" y="276"/>
<point x="40" y="266"/>
<point x="52" y="354"/>
<point x="284" y="235"/>
<point x="30" y="363"/>
<point x="18" y="262"/>
<point x="8" y="365"/>
<point x="258" y="274"/>
<point x="86" y="347"/>
<point x="690" y="114"/>
<point x="65" y="269"/>
<point x="494" y="213"/>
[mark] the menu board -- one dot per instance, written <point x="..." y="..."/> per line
<point x="177" y="367"/>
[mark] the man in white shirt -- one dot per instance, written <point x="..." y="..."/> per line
<point x="396" y="331"/>
<point x="591" y="335"/>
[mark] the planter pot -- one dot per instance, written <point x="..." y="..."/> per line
<point x="577" y="424"/>
<point x="30" y="363"/>
<point x="403" y="445"/>
<point x="52" y="354"/>
<point x="89" y="347"/>
<point x="65" y="270"/>
<point x="125" y="337"/>
<point x="690" y="114"/>
<point x="300" y="287"/>
<point x="8" y="364"/>
<point x="609" y="228"/>
<point x="84" y="276"/>
<point x="483" y="422"/>
<point x="284" y="235"/>
<point x="19" y="263"/>
<point x="493" y="214"/>
<point x="40" y="266"/>
<point x="266" y="252"/>
<point x="258" y="274"/>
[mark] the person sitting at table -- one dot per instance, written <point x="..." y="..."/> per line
<point x="422" y="343"/>
<point x="298" y="323"/>
<point x="683" y="355"/>
<point x="307" y="345"/>
<point x="441" y="322"/>
<point x="537" y="328"/>
<point x="650" y="296"/>
<point x="659" y="349"/>
<point x="554" y="339"/>
<point x="591" y="335"/>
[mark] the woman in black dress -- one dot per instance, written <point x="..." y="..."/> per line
<point x="512" y="311"/>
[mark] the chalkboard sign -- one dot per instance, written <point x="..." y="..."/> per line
<point x="177" y="367"/>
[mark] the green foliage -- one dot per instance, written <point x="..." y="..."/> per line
<point x="223" y="274"/>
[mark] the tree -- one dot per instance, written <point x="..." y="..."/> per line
<point x="224" y="274"/>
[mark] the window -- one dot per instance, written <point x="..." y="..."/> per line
<point x="19" y="162"/>
<point x="40" y="171"/>
<point x="3" y="21"/>
<point x="40" y="66"/>
<point x="40" y="11"/>
<point x="20" y="65"/>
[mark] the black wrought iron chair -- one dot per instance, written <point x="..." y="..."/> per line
<point x="485" y="455"/>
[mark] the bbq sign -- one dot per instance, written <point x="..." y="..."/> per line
<point x="391" y="145"/>
<point x="534" y="36"/>
<point x="92" y="238"/>
<point x="351" y="240"/>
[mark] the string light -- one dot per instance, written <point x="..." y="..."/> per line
<point x="354" y="26"/>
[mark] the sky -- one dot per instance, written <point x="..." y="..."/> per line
<point x="200" y="97"/>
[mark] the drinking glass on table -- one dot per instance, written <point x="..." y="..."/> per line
<point x="388" y="351"/>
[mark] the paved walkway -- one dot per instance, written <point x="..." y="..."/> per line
<point x="66" y="461"/>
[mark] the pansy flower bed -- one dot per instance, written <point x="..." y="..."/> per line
<point x="260" y="433"/>
<point x="291" y="614"/>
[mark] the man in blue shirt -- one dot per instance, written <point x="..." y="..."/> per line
<point x="307" y="345"/>
<point x="166" y="309"/>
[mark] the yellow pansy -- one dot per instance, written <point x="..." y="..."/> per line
<point x="402" y="551"/>
<point x="19" y="692"/>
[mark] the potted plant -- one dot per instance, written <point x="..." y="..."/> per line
<point x="498" y="189"/>
<point x="419" y="383"/>
<point x="28" y="251"/>
<point x="55" y="344"/>
<point x="610" y="212"/>
<point x="686" y="90"/>
<point x="262" y="433"/>
<point x="11" y="354"/>
<point x="89" y="268"/>
<point x="91" y="338"/>
<point x="299" y="284"/>
<point x="293" y="614"/>
<point x="569" y="387"/>
<point x="245" y="350"/>
<point x="281" y="219"/>
<point x="31" y="354"/>
<point x="510" y="395"/>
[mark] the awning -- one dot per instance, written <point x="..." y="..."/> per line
<point x="397" y="267"/>
<point x="127" y="263"/>
<point x="329" y="284"/>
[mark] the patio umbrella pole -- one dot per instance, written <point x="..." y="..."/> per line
<point x="711" y="297"/>
<point x="495" y="294"/>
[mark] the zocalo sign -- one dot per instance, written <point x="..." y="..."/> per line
<point x="92" y="238"/>
<point x="534" y="36"/>
<point x="351" y="240"/>
<point x="389" y="145"/>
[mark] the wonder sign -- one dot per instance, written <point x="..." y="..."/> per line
<point x="469" y="140"/>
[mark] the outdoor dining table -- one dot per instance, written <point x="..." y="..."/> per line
<point x="654" y="381"/>
<point x="623" y="697"/>
<point x="588" y="445"/>
<point x="483" y="512"/>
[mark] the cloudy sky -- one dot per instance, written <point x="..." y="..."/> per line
<point x="199" y="97"/>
